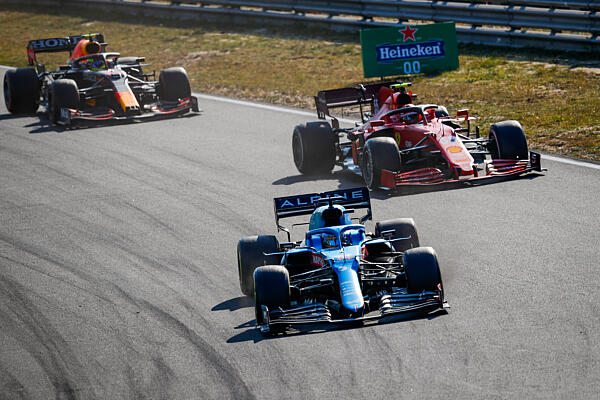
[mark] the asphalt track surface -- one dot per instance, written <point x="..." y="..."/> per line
<point x="118" y="272"/>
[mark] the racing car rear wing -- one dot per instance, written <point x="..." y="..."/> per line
<point x="54" y="45"/>
<point x="351" y="96"/>
<point x="304" y="204"/>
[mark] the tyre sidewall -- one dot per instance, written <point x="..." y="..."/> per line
<point x="314" y="148"/>
<point x="250" y="255"/>
<point x="271" y="288"/>
<point x="403" y="227"/>
<point x="174" y="84"/>
<point x="21" y="91"/>
<point x="380" y="153"/>
<point x="509" y="141"/>
<point x="62" y="93"/>
<point x="422" y="270"/>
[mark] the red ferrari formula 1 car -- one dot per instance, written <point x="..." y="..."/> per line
<point x="401" y="144"/>
<point x="94" y="84"/>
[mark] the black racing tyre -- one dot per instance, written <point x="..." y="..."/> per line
<point x="251" y="254"/>
<point x="402" y="227"/>
<point x="380" y="153"/>
<point x="422" y="270"/>
<point x="174" y="84"/>
<point x="21" y="91"/>
<point x="313" y="147"/>
<point x="507" y="141"/>
<point x="271" y="288"/>
<point x="62" y="93"/>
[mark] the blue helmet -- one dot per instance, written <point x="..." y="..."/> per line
<point x="333" y="215"/>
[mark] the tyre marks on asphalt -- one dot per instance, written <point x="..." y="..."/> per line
<point x="10" y="387"/>
<point x="35" y="334"/>
<point x="222" y="372"/>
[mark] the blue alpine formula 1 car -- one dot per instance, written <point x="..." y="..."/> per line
<point x="340" y="272"/>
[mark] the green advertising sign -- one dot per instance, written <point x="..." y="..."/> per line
<point x="406" y="50"/>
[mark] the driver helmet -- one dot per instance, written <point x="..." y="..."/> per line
<point x="85" y="47"/>
<point x="402" y="99"/>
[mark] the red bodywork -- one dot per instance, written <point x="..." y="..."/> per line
<point x="434" y="137"/>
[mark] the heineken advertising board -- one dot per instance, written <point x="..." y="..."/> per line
<point x="406" y="50"/>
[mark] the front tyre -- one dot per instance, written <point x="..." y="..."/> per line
<point x="62" y="93"/>
<point x="422" y="270"/>
<point x="401" y="228"/>
<point x="21" y="91"/>
<point x="313" y="147"/>
<point x="380" y="153"/>
<point x="271" y="289"/>
<point x="174" y="84"/>
<point x="507" y="141"/>
<point x="251" y="254"/>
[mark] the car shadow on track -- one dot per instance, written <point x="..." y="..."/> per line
<point x="252" y="334"/>
<point x="346" y="180"/>
<point x="12" y="116"/>
<point x="234" y="304"/>
<point x="43" y="124"/>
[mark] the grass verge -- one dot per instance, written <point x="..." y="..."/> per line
<point x="554" y="96"/>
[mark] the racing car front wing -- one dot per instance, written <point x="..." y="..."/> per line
<point x="319" y="313"/>
<point x="69" y="115"/>
<point x="433" y="176"/>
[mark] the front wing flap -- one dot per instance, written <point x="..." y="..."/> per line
<point x="317" y="314"/>
<point x="499" y="168"/>
<point x="161" y="109"/>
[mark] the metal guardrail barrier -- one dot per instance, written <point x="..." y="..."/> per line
<point x="550" y="24"/>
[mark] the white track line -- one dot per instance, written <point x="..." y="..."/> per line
<point x="264" y="106"/>
<point x="570" y="162"/>
<point x="345" y="120"/>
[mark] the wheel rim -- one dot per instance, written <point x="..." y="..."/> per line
<point x="298" y="151"/>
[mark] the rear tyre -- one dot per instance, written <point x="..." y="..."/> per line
<point x="62" y="93"/>
<point x="271" y="289"/>
<point x="251" y="254"/>
<point x="422" y="270"/>
<point x="174" y="84"/>
<point x="380" y="153"/>
<point x="313" y="147"/>
<point x="21" y="91"/>
<point x="402" y="227"/>
<point x="507" y="141"/>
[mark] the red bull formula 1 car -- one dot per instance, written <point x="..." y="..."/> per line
<point x="339" y="273"/>
<point x="94" y="84"/>
<point x="402" y="144"/>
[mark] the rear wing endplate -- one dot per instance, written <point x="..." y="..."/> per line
<point x="304" y="204"/>
<point x="54" y="45"/>
<point x="350" y="96"/>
